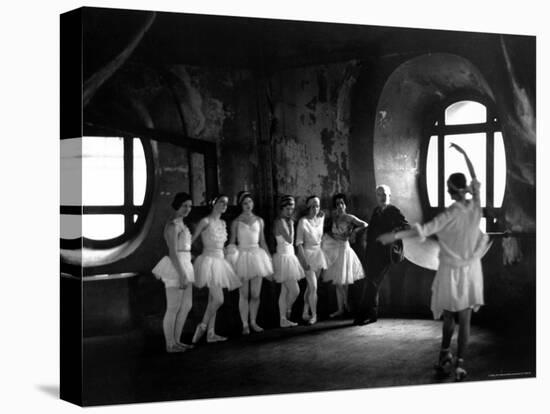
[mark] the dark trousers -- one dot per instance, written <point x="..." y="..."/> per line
<point x="368" y="304"/>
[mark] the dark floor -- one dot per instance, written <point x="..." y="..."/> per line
<point x="332" y="355"/>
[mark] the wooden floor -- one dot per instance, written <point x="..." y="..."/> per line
<point x="332" y="355"/>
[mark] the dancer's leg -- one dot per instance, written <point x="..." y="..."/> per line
<point x="181" y="318"/>
<point x="243" y="306"/>
<point x="255" y="290"/>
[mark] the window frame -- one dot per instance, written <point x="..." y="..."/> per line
<point x="489" y="127"/>
<point x="127" y="209"/>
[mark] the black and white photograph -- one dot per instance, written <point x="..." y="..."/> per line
<point x="291" y="208"/>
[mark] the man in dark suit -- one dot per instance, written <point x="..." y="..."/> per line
<point x="385" y="218"/>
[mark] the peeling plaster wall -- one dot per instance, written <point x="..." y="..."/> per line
<point x="310" y="138"/>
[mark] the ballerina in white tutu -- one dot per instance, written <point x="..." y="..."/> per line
<point x="344" y="267"/>
<point x="212" y="269"/>
<point x="176" y="271"/>
<point x="457" y="288"/>
<point x="286" y="266"/>
<point x="309" y="234"/>
<point x="250" y="260"/>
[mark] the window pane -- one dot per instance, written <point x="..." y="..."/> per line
<point x="500" y="170"/>
<point x="102" y="171"/>
<point x="432" y="168"/>
<point x="483" y="224"/>
<point x="140" y="173"/>
<point x="71" y="172"/>
<point x="102" y="226"/>
<point x="465" y="112"/>
<point x="475" y="147"/>
<point x="70" y="226"/>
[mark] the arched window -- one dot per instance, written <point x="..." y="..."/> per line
<point x="106" y="186"/>
<point x="475" y="127"/>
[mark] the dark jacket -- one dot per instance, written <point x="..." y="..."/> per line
<point x="383" y="221"/>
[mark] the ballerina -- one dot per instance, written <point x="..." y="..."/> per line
<point x="344" y="267"/>
<point x="457" y="288"/>
<point x="251" y="260"/>
<point x="212" y="269"/>
<point x="286" y="266"/>
<point x="176" y="271"/>
<point x="309" y="234"/>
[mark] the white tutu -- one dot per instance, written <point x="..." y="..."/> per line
<point x="344" y="267"/>
<point x="166" y="271"/>
<point x="315" y="258"/>
<point x="287" y="267"/>
<point x="457" y="289"/>
<point x="212" y="270"/>
<point x="252" y="262"/>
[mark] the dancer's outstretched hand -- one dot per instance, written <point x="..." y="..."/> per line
<point x="386" y="238"/>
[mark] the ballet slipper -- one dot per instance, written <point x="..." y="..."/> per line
<point x="460" y="372"/>
<point x="256" y="328"/>
<point x="285" y="323"/>
<point x="174" y="348"/>
<point x="212" y="337"/>
<point x="445" y="363"/>
<point x="336" y="314"/>
<point x="184" y="345"/>
<point x="246" y="330"/>
<point x="199" y="332"/>
<point x="313" y="320"/>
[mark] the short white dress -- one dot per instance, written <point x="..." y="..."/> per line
<point x="211" y="267"/>
<point x="344" y="267"/>
<point x="248" y="259"/>
<point x="165" y="269"/>
<point x="286" y="265"/>
<point x="309" y="234"/>
<point x="458" y="282"/>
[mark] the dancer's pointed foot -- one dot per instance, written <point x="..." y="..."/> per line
<point x="174" y="348"/>
<point x="460" y="372"/>
<point x="212" y="337"/>
<point x="336" y="314"/>
<point x="199" y="332"/>
<point x="184" y="345"/>
<point x="313" y="320"/>
<point x="285" y="323"/>
<point x="444" y="366"/>
<point x="246" y="330"/>
<point x="256" y="328"/>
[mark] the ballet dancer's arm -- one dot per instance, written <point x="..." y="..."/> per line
<point x="284" y="228"/>
<point x="199" y="229"/>
<point x="172" y="242"/>
<point x="263" y="243"/>
<point x="421" y="231"/>
<point x="475" y="185"/>
<point x="388" y="238"/>
<point x="468" y="162"/>
<point x="300" y="244"/>
<point x="233" y="236"/>
<point x="358" y="225"/>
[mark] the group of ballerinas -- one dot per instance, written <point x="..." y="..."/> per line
<point x="304" y="252"/>
<point x="457" y="288"/>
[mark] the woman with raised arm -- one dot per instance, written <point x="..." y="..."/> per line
<point x="176" y="271"/>
<point x="457" y="288"/>
<point x="211" y="267"/>
<point x="251" y="260"/>
<point x="344" y="267"/>
<point x="309" y="234"/>
<point x="286" y="266"/>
